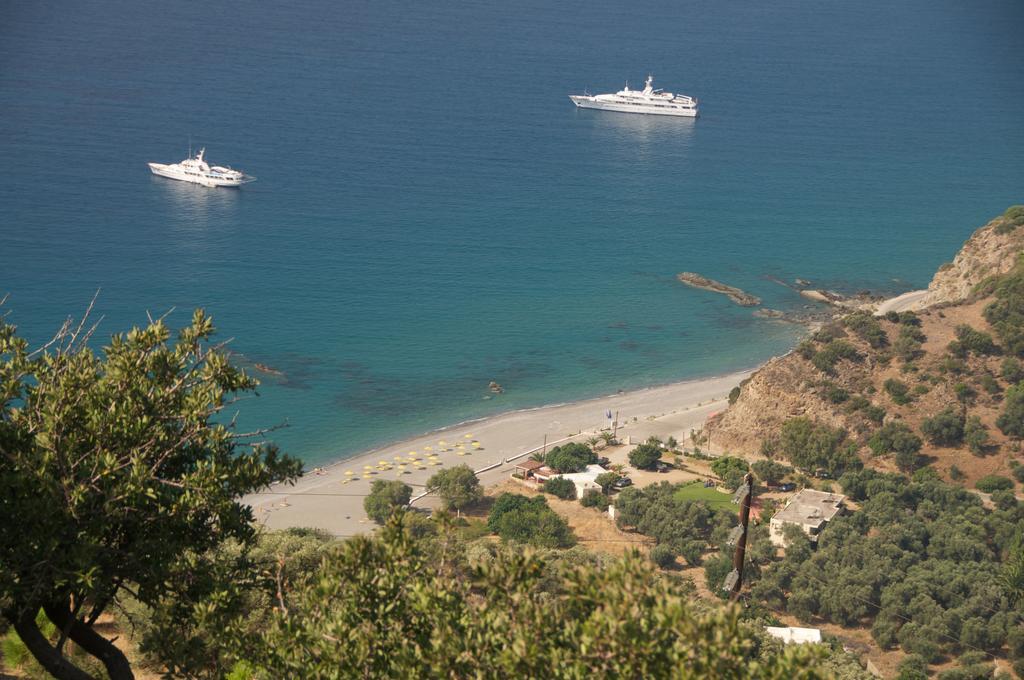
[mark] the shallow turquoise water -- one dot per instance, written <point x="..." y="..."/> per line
<point x="432" y="213"/>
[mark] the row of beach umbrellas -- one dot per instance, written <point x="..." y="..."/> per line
<point x="414" y="459"/>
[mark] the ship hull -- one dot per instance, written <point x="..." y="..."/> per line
<point x="171" y="172"/>
<point x="584" y="102"/>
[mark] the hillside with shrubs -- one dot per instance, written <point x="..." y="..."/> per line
<point x="939" y="387"/>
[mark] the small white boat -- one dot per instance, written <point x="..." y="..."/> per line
<point x="196" y="170"/>
<point x="649" y="101"/>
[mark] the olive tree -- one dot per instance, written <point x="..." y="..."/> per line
<point x="118" y="475"/>
<point x="458" y="487"/>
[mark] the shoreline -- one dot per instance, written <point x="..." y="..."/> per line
<point x="330" y="497"/>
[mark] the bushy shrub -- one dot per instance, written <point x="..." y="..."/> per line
<point x="592" y="498"/>
<point x="606" y="479"/>
<point x="836" y="394"/>
<point x="515" y="517"/>
<point x="975" y="341"/>
<point x="976" y="436"/>
<point x="867" y="327"/>
<point x="770" y="472"/>
<point x="812" y="446"/>
<point x="836" y="350"/>
<point x="1006" y="313"/>
<point x="965" y="394"/>
<point x="572" y="457"/>
<point x="875" y="414"/>
<point x="990" y="483"/>
<point x="894" y="437"/>
<point x="945" y="428"/>
<point x="730" y="470"/>
<point x="560" y="487"/>
<point x="386" y="496"/>
<point x="913" y="667"/>
<point x="644" y="456"/>
<point x="956" y="474"/>
<point x="734" y="394"/>
<point x="663" y="556"/>
<point x="1012" y="370"/>
<point x="899" y="391"/>
<point x="990" y="384"/>
<point x="1011" y="420"/>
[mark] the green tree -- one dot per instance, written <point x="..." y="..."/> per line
<point x="644" y="456"/>
<point x="867" y="327"/>
<point x="991" y="483"/>
<point x="899" y="391"/>
<point x="976" y="436"/>
<point x="730" y="470"/>
<point x="592" y="498"/>
<point x="606" y="479"/>
<point x="515" y="517"/>
<point x="572" y="457"/>
<point x="811" y="446"/>
<point x="1012" y="370"/>
<point x="770" y="472"/>
<point x="1011" y="420"/>
<point x="122" y="475"/>
<point x="945" y="428"/>
<point x="560" y="487"/>
<point x="386" y="496"/>
<point x="895" y="437"/>
<point x="457" y="486"/>
<point x="663" y="556"/>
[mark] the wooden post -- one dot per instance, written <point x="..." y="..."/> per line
<point x="544" y="450"/>
<point x="741" y="544"/>
<point x="615" y="426"/>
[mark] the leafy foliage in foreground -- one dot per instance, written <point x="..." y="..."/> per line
<point x="381" y="608"/>
<point x="120" y="476"/>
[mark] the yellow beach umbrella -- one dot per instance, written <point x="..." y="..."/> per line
<point x="468" y="436"/>
<point x="348" y="473"/>
<point x="428" y="448"/>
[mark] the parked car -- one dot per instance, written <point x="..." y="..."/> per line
<point x="603" y="461"/>
<point x="788" y="486"/>
<point x="622" y="483"/>
<point x="662" y="467"/>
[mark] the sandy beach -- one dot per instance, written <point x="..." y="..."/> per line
<point x="331" y="498"/>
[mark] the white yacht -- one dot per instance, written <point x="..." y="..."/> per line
<point x="650" y="101"/>
<point x="195" y="169"/>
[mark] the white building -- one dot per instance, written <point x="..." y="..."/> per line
<point x="791" y="635"/>
<point x="585" y="480"/>
<point x="810" y="510"/>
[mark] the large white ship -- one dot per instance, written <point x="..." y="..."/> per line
<point x="196" y="170"/>
<point x="649" y="100"/>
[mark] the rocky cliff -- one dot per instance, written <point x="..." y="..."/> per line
<point x="990" y="251"/>
<point x="847" y="374"/>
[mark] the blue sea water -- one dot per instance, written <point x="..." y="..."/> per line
<point x="432" y="213"/>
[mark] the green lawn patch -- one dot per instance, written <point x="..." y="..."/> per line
<point x="696" y="491"/>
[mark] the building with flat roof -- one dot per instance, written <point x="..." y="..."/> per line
<point x="810" y="510"/>
<point x="792" y="635"/>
